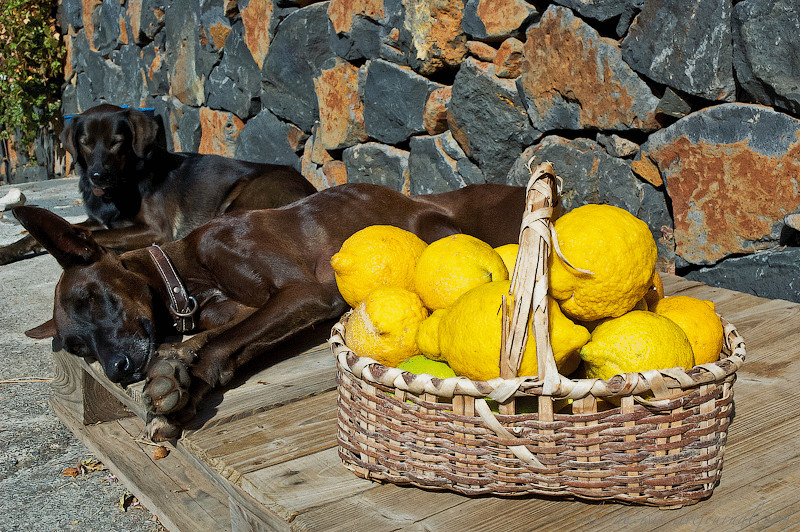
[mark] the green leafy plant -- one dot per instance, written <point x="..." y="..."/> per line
<point x="31" y="67"/>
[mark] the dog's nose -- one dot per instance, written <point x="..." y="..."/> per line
<point x="119" y="369"/>
<point x="95" y="175"/>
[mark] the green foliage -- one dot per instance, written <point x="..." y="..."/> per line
<point x="31" y="66"/>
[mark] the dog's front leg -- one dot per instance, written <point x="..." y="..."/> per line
<point x="211" y="358"/>
<point x="288" y="312"/>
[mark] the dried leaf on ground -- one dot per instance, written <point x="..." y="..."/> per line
<point x="71" y="472"/>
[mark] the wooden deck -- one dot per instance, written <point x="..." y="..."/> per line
<point x="264" y="457"/>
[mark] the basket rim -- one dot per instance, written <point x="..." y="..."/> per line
<point x="501" y="389"/>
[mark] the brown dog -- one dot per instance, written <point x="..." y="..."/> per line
<point x="136" y="193"/>
<point x="256" y="278"/>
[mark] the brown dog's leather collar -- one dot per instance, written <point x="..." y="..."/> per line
<point x="182" y="306"/>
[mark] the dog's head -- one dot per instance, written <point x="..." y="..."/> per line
<point x="101" y="309"/>
<point x="107" y="143"/>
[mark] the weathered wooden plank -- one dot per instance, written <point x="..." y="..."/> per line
<point x="384" y="507"/>
<point x="309" y="373"/>
<point x="292" y="487"/>
<point x="264" y="439"/>
<point x="181" y="497"/>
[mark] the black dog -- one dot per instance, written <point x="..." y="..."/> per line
<point x="257" y="278"/>
<point x="137" y="193"/>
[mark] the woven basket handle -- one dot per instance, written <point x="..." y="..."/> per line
<point x="530" y="282"/>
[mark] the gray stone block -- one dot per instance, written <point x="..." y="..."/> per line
<point x="774" y="274"/>
<point x="236" y="81"/>
<point x="394" y="101"/>
<point x="488" y="119"/>
<point x="684" y="45"/>
<point x="438" y="164"/>
<point x="766" y="40"/>
<point x="377" y="163"/>
<point x="300" y="46"/>
<point x="264" y="139"/>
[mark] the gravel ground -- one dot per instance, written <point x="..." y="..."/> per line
<point x="35" y="449"/>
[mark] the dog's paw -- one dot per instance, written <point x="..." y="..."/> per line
<point x="159" y="428"/>
<point x="167" y="386"/>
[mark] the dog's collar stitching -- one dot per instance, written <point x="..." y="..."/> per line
<point x="182" y="306"/>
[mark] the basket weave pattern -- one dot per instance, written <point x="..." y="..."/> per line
<point x="655" y="438"/>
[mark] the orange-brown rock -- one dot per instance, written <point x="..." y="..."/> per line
<point x="645" y="168"/>
<point x="257" y="20"/>
<point x="575" y="79"/>
<point x="435" y="115"/>
<point x="89" y="7"/>
<point x="436" y="34"/>
<point x="335" y="172"/>
<point x="731" y="173"/>
<point x="219" y="33"/>
<point x="341" y="111"/>
<point x="496" y="20"/>
<point x="481" y="50"/>
<point x="219" y="132"/>
<point x="342" y="12"/>
<point x="508" y="60"/>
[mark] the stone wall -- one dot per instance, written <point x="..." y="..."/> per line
<point x="683" y="112"/>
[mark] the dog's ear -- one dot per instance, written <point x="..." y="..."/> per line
<point x="145" y="131"/>
<point x="45" y="330"/>
<point x="69" y="244"/>
<point x="68" y="136"/>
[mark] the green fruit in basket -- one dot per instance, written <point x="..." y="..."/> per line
<point x="469" y="336"/>
<point x="419" y="364"/>
<point x="634" y="342"/>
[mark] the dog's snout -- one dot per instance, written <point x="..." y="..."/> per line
<point x="95" y="175"/>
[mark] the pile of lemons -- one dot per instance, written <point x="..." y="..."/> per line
<point x="437" y="308"/>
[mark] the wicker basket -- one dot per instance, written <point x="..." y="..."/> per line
<point x="655" y="438"/>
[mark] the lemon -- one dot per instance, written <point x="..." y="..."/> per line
<point x="508" y="253"/>
<point x="378" y="255"/>
<point x="616" y="247"/>
<point x="420" y="364"/>
<point x="470" y="334"/>
<point x="635" y="342"/>
<point x="428" y="335"/>
<point x="452" y="265"/>
<point x="700" y="323"/>
<point x="384" y="325"/>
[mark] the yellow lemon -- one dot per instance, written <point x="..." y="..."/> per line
<point x="469" y="336"/>
<point x="616" y="247"/>
<point x="428" y="335"/>
<point x="452" y="265"/>
<point x="700" y="323"/>
<point x="378" y="255"/>
<point x="508" y="253"/>
<point x="420" y="364"/>
<point x="634" y="342"/>
<point x="384" y="325"/>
